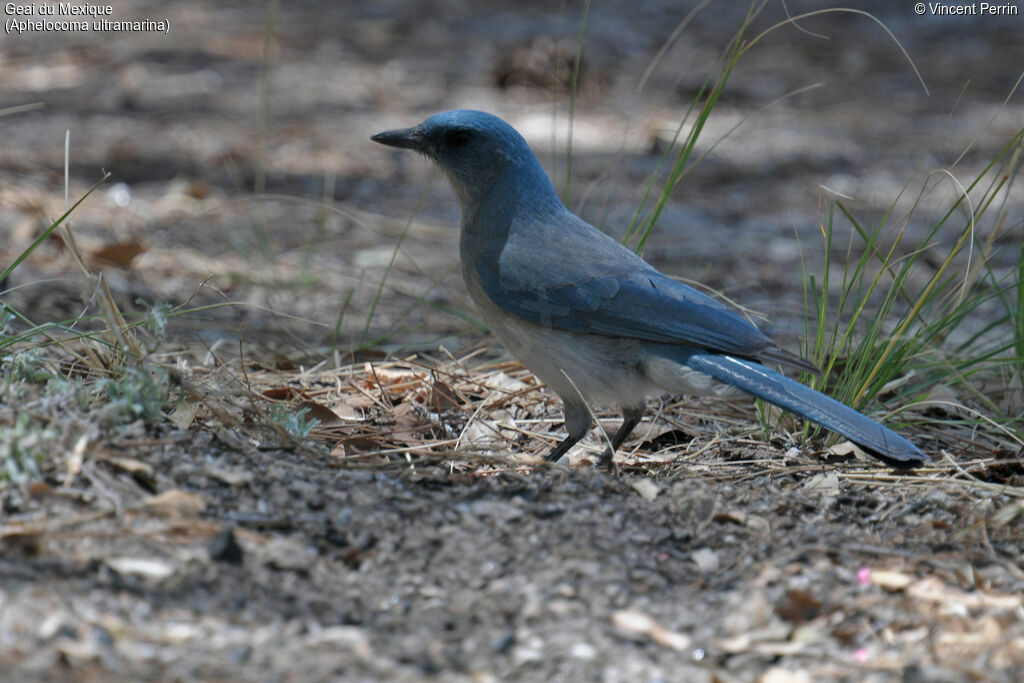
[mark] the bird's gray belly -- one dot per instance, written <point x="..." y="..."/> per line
<point x="600" y="369"/>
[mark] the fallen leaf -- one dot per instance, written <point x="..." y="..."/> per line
<point x="647" y="489"/>
<point x="184" y="414"/>
<point x="846" y="448"/>
<point x="824" y="482"/>
<point x="325" y="415"/>
<point x="141" y="471"/>
<point x="176" y="503"/>
<point x="505" y="383"/>
<point x="356" y="445"/>
<point x="198" y="190"/>
<point x="407" y="424"/>
<point x="442" y="397"/>
<point x="280" y="393"/>
<point x="120" y="254"/>
<point x="798" y="606"/>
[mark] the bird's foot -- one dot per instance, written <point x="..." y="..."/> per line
<point x="553" y="456"/>
<point x="607" y="460"/>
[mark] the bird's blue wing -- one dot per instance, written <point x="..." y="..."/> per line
<point x="577" y="279"/>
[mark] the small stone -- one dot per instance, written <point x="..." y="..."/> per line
<point x="224" y="547"/>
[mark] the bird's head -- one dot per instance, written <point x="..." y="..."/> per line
<point x="474" y="149"/>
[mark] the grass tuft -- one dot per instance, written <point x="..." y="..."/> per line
<point x="902" y="305"/>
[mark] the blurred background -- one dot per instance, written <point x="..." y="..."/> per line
<point x="241" y="170"/>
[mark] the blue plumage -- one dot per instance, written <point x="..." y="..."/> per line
<point x="590" y="317"/>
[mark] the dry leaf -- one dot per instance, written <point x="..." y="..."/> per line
<point x="138" y="469"/>
<point x="824" y="482"/>
<point x="176" y="503"/>
<point x="845" y="448"/>
<point x="505" y="383"/>
<point x="120" y="254"/>
<point x="280" y="393"/>
<point x="325" y="415"/>
<point x="798" y="606"/>
<point x="442" y="397"/>
<point x="647" y="489"/>
<point x="198" y="190"/>
<point x="184" y="414"/>
<point x="407" y="425"/>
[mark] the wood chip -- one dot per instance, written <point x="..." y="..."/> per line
<point x="176" y="503"/>
<point x="634" y="621"/>
<point x="646" y="487"/>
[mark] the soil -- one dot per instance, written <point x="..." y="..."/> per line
<point x="414" y="534"/>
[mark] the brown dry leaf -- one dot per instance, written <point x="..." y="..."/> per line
<point x="358" y="444"/>
<point x="39" y="489"/>
<point x="357" y="402"/>
<point x="198" y="190"/>
<point x="345" y="410"/>
<point x="378" y="376"/>
<point x="442" y="397"/>
<point x="407" y="425"/>
<point x="184" y="414"/>
<point x="120" y="254"/>
<point x="280" y="393"/>
<point x="798" y="606"/>
<point x="176" y="503"/>
<point x="325" y="415"/>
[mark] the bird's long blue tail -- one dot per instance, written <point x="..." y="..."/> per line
<point x="776" y="388"/>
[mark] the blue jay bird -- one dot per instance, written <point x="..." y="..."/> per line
<point x="588" y="316"/>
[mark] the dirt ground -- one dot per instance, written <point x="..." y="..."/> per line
<point x="412" y="533"/>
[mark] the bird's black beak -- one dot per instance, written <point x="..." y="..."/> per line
<point x="406" y="138"/>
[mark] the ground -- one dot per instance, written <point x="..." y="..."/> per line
<point x="317" y="465"/>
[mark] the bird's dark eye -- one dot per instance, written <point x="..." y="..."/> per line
<point x="458" y="138"/>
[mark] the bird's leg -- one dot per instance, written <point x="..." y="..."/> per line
<point x="577" y="422"/>
<point x="631" y="416"/>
